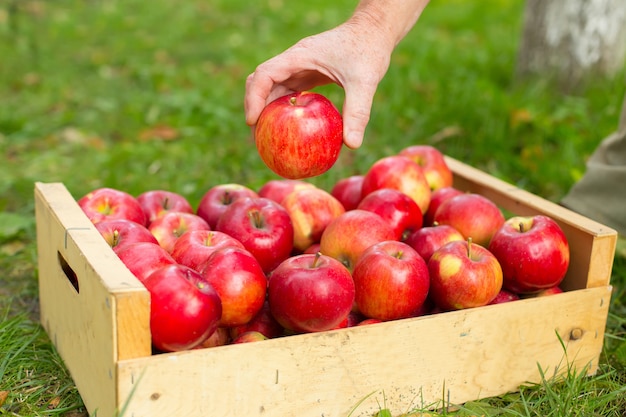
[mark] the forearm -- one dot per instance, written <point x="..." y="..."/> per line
<point x="394" y="18"/>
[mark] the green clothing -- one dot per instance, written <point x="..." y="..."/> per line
<point x="601" y="192"/>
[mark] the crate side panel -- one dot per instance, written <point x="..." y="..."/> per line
<point x="405" y="363"/>
<point x="592" y="244"/>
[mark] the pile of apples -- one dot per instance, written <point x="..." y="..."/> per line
<point x="398" y="241"/>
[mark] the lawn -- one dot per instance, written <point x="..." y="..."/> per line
<point x="142" y="95"/>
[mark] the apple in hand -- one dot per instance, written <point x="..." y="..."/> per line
<point x="143" y="258"/>
<point x="437" y="198"/>
<point x="391" y="281"/>
<point x="239" y="281"/>
<point x="108" y="204"/>
<point x="310" y="293"/>
<point x="299" y="135"/>
<point x="533" y="251"/>
<point x="156" y="203"/>
<point x="463" y="275"/>
<point x="263" y="227"/>
<point x="347" y="237"/>
<point x="217" y="199"/>
<point x="277" y="190"/>
<point x="430" y="238"/>
<point x="193" y="248"/>
<point x="172" y="225"/>
<point x="399" y="173"/>
<point x="184" y="309"/>
<point x="433" y="163"/>
<point x="120" y="232"/>
<point x="396" y="208"/>
<point x="474" y="215"/>
<point x="348" y="191"/>
<point x="311" y="210"/>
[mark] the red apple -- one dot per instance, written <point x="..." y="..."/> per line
<point x="193" y="248"/>
<point x="433" y="163"/>
<point x="184" y="309"/>
<point x="310" y="293"/>
<point x="263" y="322"/>
<point x="277" y="190"/>
<point x="437" y="198"/>
<point x="314" y="248"/>
<point x="399" y="173"/>
<point x="143" y="258"/>
<point x="391" y="281"/>
<point x="365" y="322"/>
<point x="463" y="275"/>
<point x="474" y="215"/>
<point x="299" y="135"/>
<point x="250" y="336"/>
<point x="348" y="191"/>
<point x="263" y="227"/>
<point x="396" y="208"/>
<point x="109" y="204"/>
<point x="217" y="199"/>
<point x="220" y="337"/>
<point x="311" y="210"/>
<point x="504" y="296"/>
<point x="548" y="291"/>
<point x="155" y="203"/>
<point x="172" y="225"/>
<point x="430" y="238"/>
<point x="347" y="237"/>
<point x="239" y="281"/>
<point x="120" y="232"/>
<point x="533" y="251"/>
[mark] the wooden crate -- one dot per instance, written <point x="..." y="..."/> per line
<point x="97" y="314"/>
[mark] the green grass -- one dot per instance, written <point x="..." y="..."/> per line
<point x="140" y="95"/>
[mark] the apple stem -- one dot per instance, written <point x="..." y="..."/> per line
<point x="226" y="198"/>
<point x="521" y="227"/>
<point x="292" y="101"/>
<point x="469" y="247"/>
<point x="116" y="237"/>
<point x="255" y="217"/>
<point x="166" y="203"/>
<point x="318" y="255"/>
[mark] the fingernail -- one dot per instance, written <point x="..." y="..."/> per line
<point x="353" y="140"/>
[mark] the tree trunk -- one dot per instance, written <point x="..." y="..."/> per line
<point x="570" y="40"/>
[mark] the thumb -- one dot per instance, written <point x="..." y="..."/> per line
<point x="356" y="114"/>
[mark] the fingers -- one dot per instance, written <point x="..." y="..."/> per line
<point x="356" y="113"/>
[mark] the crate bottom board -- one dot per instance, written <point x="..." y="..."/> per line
<point x="463" y="355"/>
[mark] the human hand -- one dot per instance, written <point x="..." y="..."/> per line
<point x="351" y="55"/>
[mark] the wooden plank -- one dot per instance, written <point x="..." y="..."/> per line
<point x="465" y="355"/>
<point x="93" y="308"/>
<point x="592" y="244"/>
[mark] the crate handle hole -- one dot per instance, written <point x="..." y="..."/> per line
<point x="69" y="272"/>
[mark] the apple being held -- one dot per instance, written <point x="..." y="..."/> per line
<point x="109" y="204"/>
<point x="172" y="225"/>
<point x="398" y="209"/>
<point x="277" y="190"/>
<point x="156" y="203"/>
<point x="263" y="227"/>
<point x="194" y="247"/>
<point x="437" y="198"/>
<point x="463" y="275"/>
<point x="533" y="251"/>
<point x="311" y="210"/>
<point x="239" y="281"/>
<point x="348" y="191"/>
<point x="310" y="293"/>
<point x="347" y="237"/>
<point x="217" y="199"/>
<point x="474" y="215"/>
<point x="430" y="238"/>
<point x="184" y="309"/>
<point x="143" y="258"/>
<point x="433" y="163"/>
<point x="399" y="173"/>
<point x="120" y="232"/>
<point x="391" y="281"/>
<point x="299" y="135"/>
